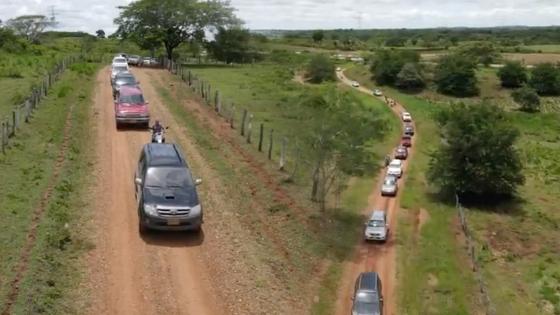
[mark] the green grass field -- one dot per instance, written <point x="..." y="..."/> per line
<point x="52" y="276"/>
<point x="519" y="266"/>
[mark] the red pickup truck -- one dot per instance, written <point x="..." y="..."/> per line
<point x="131" y="108"/>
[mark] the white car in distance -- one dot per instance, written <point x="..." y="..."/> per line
<point x="395" y="168"/>
<point x="120" y="62"/>
<point x="406" y="117"/>
<point x="355" y="84"/>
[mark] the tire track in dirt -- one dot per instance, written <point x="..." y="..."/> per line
<point x="380" y="258"/>
<point x="23" y="261"/>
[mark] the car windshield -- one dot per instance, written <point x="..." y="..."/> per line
<point x="119" y="60"/>
<point x="389" y="181"/>
<point x="395" y="163"/>
<point x="168" y="177"/>
<point x="376" y="223"/>
<point x="119" y="69"/>
<point x="126" y="80"/>
<point x="366" y="297"/>
<point x="131" y="99"/>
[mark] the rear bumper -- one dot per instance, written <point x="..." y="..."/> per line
<point x="132" y="120"/>
<point x="166" y="224"/>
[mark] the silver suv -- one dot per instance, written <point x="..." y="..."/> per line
<point x="377" y="227"/>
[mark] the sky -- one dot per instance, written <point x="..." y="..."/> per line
<point x="91" y="15"/>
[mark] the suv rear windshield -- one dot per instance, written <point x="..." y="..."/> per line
<point x="119" y="69"/>
<point x="131" y="99"/>
<point x="366" y="297"/>
<point x="168" y="177"/>
<point x="376" y="223"/>
<point x="128" y="80"/>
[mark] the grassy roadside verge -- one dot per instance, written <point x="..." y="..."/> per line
<point x="52" y="274"/>
<point x="432" y="270"/>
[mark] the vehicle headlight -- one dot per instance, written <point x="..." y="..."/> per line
<point x="150" y="209"/>
<point x="196" y="211"/>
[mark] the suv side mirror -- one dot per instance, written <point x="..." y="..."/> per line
<point x="198" y="181"/>
<point x="380" y="299"/>
<point x="138" y="181"/>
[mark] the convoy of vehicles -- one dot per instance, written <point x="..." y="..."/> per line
<point x="164" y="186"/>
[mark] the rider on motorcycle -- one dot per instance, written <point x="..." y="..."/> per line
<point x="157" y="127"/>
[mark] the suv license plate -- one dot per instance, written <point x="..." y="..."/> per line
<point x="173" y="222"/>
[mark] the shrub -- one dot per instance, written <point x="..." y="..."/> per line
<point x="321" y="69"/>
<point x="455" y="76"/>
<point x="410" y="78"/>
<point x="527" y="98"/>
<point x="512" y="75"/>
<point x="545" y="79"/>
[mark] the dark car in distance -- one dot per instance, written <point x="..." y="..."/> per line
<point x="409" y="130"/>
<point x="368" y="296"/>
<point x="123" y="79"/>
<point x="401" y="153"/>
<point x="165" y="190"/>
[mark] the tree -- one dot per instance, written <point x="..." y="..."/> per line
<point x="527" y="98"/>
<point x="512" y="75"/>
<point x="321" y="69"/>
<point x="545" y="79"/>
<point x="481" y="52"/>
<point x="478" y="155"/>
<point x="455" y="76"/>
<point x="231" y="45"/>
<point x="339" y="130"/>
<point x="410" y="78"/>
<point x="387" y="65"/>
<point x="318" y="36"/>
<point x="172" y="22"/>
<point x="395" y="42"/>
<point x="100" y="33"/>
<point x="29" y="26"/>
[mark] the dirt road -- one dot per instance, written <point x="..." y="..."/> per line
<point x="380" y="258"/>
<point x="157" y="274"/>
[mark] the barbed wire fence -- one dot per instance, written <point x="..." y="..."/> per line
<point x="23" y="112"/>
<point x="471" y="251"/>
<point x="280" y="148"/>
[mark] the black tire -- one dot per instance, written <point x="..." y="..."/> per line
<point x="142" y="229"/>
<point x="119" y="126"/>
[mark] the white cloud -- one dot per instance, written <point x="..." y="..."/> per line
<point x="90" y="15"/>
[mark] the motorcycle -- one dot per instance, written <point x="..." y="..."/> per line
<point x="159" y="137"/>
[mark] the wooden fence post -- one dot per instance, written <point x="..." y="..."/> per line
<point x="208" y="93"/>
<point x="3" y="138"/>
<point x="270" y="144"/>
<point x="217" y="102"/>
<point x="190" y="78"/>
<point x="249" y="128"/>
<point x="232" y="116"/>
<point x="14" y="122"/>
<point x="261" y="137"/>
<point x="243" y="119"/>
<point x="283" y="153"/>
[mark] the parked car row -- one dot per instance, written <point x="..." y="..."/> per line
<point x="164" y="186"/>
<point x="139" y="61"/>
